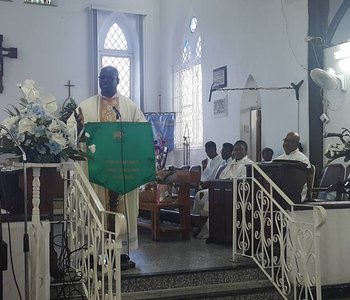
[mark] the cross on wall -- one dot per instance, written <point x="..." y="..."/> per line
<point x="5" y="52"/>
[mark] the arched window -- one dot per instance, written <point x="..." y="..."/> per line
<point x="188" y="93"/>
<point x="119" y="40"/>
<point x="116" y="52"/>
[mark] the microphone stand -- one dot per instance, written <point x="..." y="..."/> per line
<point x="25" y="235"/>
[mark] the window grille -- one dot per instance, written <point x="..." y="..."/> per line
<point x="123" y="66"/>
<point x="188" y="98"/>
<point x="115" y="39"/>
<point x="116" y="53"/>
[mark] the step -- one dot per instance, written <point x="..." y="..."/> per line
<point x="253" y="290"/>
<point x="336" y="292"/>
<point x="67" y="289"/>
<point x="190" y="278"/>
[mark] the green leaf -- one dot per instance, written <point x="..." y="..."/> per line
<point x="16" y="109"/>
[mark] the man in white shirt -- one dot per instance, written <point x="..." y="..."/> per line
<point x="213" y="163"/>
<point x="292" y="152"/>
<point x="236" y="168"/>
<point x="226" y="154"/>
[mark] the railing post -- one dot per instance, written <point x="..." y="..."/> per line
<point x="234" y="219"/>
<point x="252" y="199"/>
<point x="320" y="215"/>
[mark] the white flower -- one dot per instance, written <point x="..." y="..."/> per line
<point x="8" y="123"/>
<point x="92" y="148"/>
<point x="30" y="92"/>
<point x="56" y="125"/>
<point x="49" y="103"/>
<point x="87" y="134"/>
<point x="60" y="139"/>
<point x="26" y="125"/>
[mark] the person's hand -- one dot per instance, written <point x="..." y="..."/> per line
<point x="79" y="118"/>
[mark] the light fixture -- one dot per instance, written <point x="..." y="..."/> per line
<point x="193" y="24"/>
<point x="344" y="64"/>
<point x="343" y="52"/>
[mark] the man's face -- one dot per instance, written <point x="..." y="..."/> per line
<point x="239" y="151"/>
<point x="108" y="81"/>
<point x="211" y="152"/>
<point x="225" y="153"/>
<point x="290" y="143"/>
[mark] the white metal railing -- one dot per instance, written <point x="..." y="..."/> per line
<point x="282" y="242"/>
<point x="95" y="251"/>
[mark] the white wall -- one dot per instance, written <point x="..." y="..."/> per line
<point x="53" y="47"/>
<point x="337" y="102"/>
<point x="250" y="38"/>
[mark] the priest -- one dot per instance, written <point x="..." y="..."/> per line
<point x="110" y="106"/>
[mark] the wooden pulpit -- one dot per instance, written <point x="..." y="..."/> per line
<point x="289" y="175"/>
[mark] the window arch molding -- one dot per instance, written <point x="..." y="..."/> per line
<point x="121" y="21"/>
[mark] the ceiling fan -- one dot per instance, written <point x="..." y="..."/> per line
<point x="328" y="80"/>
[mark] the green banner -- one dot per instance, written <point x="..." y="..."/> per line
<point x="121" y="154"/>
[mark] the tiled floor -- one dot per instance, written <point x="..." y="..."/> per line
<point x="174" y="254"/>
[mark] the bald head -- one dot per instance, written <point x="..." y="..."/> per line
<point x="291" y="142"/>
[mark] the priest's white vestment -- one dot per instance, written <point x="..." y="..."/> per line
<point x="100" y="109"/>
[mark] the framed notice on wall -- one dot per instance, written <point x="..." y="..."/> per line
<point x="220" y="77"/>
<point x="220" y="107"/>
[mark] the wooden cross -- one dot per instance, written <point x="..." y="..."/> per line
<point x="5" y="52"/>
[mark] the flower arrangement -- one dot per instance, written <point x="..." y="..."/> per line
<point x="337" y="150"/>
<point x="43" y="137"/>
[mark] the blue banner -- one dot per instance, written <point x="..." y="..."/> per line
<point x="163" y="125"/>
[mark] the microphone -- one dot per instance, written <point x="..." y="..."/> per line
<point x="331" y="134"/>
<point x="117" y="113"/>
<point x="211" y="90"/>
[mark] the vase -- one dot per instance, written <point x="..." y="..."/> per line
<point x="43" y="158"/>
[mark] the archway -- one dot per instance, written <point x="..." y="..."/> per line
<point x="250" y="119"/>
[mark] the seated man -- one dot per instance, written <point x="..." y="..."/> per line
<point x="226" y="154"/>
<point x="266" y="154"/>
<point x="211" y="165"/>
<point x="291" y="148"/>
<point x="236" y="168"/>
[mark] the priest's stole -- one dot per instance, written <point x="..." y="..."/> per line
<point x="120" y="154"/>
